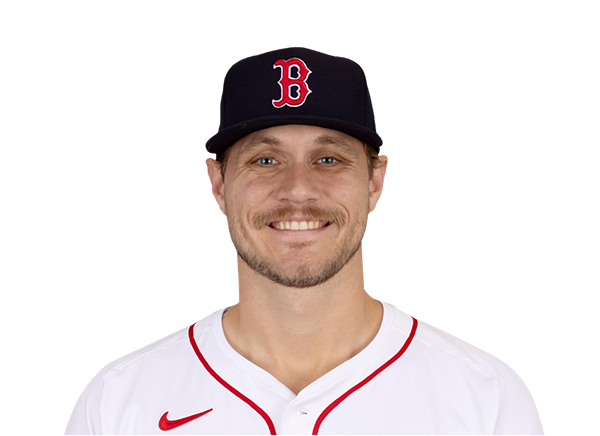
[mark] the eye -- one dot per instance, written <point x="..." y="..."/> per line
<point x="266" y="161"/>
<point x="328" y="160"/>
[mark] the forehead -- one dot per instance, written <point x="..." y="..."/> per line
<point x="298" y="137"/>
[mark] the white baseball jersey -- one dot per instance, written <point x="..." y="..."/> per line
<point x="411" y="379"/>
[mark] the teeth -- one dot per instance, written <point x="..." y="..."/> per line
<point x="299" y="225"/>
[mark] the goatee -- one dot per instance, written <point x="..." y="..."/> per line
<point x="307" y="274"/>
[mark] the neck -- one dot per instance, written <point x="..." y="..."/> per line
<point x="298" y="335"/>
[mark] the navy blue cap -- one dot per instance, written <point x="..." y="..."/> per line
<point x="294" y="86"/>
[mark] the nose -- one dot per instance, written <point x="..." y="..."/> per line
<point x="298" y="185"/>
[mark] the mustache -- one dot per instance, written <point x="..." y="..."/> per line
<point x="312" y="213"/>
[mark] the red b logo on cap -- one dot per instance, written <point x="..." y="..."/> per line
<point x="287" y="82"/>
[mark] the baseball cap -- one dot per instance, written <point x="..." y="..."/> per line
<point x="294" y="86"/>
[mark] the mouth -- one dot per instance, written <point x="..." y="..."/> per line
<point x="299" y="225"/>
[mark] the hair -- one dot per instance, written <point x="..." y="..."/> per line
<point x="372" y="159"/>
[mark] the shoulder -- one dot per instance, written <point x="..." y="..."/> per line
<point x="434" y="345"/>
<point x="458" y="366"/>
<point x="172" y="348"/>
<point x="144" y="372"/>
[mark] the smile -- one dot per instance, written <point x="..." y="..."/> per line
<point x="298" y="225"/>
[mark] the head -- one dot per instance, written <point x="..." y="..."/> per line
<point x="317" y="180"/>
<point x="298" y="169"/>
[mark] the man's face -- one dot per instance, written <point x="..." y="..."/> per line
<point x="297" y="199"/>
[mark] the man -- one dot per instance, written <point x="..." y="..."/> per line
<point x="306" y="350"/>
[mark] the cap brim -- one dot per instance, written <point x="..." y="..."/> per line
<point x="227" y="137"/>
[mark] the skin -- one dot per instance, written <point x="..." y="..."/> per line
<point x="303" y="309"/>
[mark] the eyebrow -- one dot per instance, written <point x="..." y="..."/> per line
<point x="258" y="141"/>
<point x="334" y="140"/>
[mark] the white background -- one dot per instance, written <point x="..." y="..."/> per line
<point x="33" y="36"/>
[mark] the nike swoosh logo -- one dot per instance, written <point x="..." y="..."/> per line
<point x="166" y="424"/>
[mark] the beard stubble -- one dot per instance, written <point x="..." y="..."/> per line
<point x="306" y="274"/>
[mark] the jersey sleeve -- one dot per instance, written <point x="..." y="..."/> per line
<point x="85" y="418"/>
<point x="517" y="413"/>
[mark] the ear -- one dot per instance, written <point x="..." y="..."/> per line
<point x="376" y="182"/>
<point x="216" y="180"/>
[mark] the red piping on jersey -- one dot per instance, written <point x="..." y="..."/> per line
<point x="337" y="402"/>
<point x="194" y="299"/>
<point x="231" y="389"/>
<point x="413" y="291"/>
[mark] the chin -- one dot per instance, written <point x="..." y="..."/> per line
<point x="300" y="273"/>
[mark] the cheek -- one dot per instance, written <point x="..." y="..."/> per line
<point x="351" y="192"/>
<point x="256" y="190"/>
<point x="246" y="195"/>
